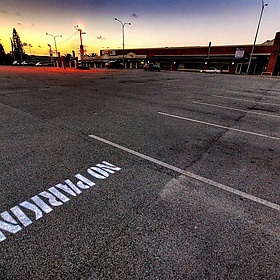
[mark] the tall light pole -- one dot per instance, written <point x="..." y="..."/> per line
<point x="54" y="38"/>
<point x="253" y="48"/>
<point x="123" y="24"/>
<point x="79" y="28"/>
<point x="50" y="46"/>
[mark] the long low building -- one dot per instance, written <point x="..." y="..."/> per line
<point x="229" y="59"/>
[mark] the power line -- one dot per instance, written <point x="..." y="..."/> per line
<point x="45" y="47"/>
<point x="68" y="38"/>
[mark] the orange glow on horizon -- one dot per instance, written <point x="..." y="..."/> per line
<point x="188" y="24"/>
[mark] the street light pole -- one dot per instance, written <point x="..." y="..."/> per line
<point x="123" y="24"/>
<point x="50" y="46"/>
<point x="79" y="28"/>
<point x="258" y="27"/>
<point x="54" y="38"/>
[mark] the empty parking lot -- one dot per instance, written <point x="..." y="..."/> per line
<point x="127" y="174"/>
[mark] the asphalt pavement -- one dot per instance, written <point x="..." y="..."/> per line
<point x="127" y="174"/>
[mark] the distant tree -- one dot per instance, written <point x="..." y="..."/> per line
<point x="2" y="54"/>
<point x="9" y="59"/>
<point x="17" y="47"/>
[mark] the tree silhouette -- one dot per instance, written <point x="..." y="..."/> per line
<point x="2" y="54"/>
<point x="17" y="47"/>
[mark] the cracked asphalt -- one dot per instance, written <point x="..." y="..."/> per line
<point x="175" y="175"/>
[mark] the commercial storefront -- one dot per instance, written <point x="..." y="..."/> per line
<point x="228" y="59"/>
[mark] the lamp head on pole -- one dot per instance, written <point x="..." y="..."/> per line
<point x="78" y="27"/>
<point x="264" y="4"/>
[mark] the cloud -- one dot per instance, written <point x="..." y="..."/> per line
<point x="4" y="12"/>
<point x="18" y="14"/>
<point x="134" y="15"/>
<point x="18" y="23"/>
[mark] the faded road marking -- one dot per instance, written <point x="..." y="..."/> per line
<point x="235" y="109"/>
<point x="246" y="100"/>
<point x="13" y="91"/>
<point x="220" y="126"/>
<point x="191" y="175"/>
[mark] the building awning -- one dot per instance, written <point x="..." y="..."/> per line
<point x="196" y="58"/>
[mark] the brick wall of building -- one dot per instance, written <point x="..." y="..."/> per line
<point x="274" y="57"/>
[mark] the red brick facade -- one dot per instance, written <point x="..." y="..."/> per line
<point x="274" y="57"/>
<point x="228" y="59"/>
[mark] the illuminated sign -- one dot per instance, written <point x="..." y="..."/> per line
<point x="239" y="53"/>
<point x="108" y="52"/>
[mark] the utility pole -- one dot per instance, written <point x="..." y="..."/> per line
<point x="79" y="28"/>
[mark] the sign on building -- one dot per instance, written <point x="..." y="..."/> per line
<point x="108" y="52"/>
<point x="239" y="53"/>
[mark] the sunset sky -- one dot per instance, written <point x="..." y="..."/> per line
<point x="158" y="23"/>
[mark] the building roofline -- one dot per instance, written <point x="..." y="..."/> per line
<point x="195" y="46"/>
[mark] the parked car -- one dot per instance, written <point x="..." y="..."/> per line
<point x="151" y="67"/>
<point x="114" y="65"/>
<point x="44" y="64"/>
<point x="211" y="70"/>
<point x="27" y="63"/>
<point x="16" y="63"/>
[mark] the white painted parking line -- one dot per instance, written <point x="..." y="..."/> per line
<point x="235" y="109"/>
<point x="246" y="100"/>
<point x="191" y="175"/>
<point x="220" y="126"/>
